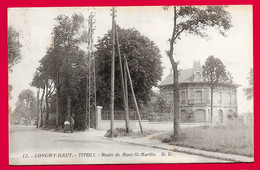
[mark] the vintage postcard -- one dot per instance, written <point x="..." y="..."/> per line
<point x="130" y="85"/>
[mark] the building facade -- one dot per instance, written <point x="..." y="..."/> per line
<point x="195" y="97"/>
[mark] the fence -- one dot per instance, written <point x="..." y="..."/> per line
<point x="169" y="117"/>
<point x="120" y="115"/>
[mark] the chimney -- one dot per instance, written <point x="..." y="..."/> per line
<point x="196" y="65"/>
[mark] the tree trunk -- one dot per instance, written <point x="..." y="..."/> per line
<point x="38" y="108"/>
<point x="211" y="104"/>
<point x="47" y="106"/>
<point x="41" y="106"/>
<point x="176" y="120"/>
<point x="69" y="106"/>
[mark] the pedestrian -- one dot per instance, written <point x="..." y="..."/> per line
<point x="66" y="126"/>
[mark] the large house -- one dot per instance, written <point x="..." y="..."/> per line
<point x="195" y="97"/>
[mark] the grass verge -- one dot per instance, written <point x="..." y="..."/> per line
<point x="233" y="139"/>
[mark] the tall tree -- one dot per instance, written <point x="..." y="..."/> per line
<point x="214" y="72"/>
<point x="19" y="111"/>
<point x="249" y="91"/>
<point x="27" y="97"/>
<point x="14" y="47"/>
<point x="14" y="54"/>
<point x="193" y="20"/>
<point x="63" y="68"/>
<point x="67" y="37"/>
<point x="39" y="82"/>
<point x="144" y="61"/>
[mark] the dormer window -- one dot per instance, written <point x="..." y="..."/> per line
<point x="197" y="76"/>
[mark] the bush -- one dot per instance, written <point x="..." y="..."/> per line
<point x="118" y="132"/>
<point x="121" y="132"/>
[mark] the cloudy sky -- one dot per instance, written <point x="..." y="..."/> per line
<point x="236" y="51"/>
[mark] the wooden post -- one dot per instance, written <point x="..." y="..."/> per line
<point x="112" y="76"/>
<point x="126" y="87"/>
<point x="122" y="83"/>
<point x="132" y="89"/>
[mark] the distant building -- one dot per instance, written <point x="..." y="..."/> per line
<point x="195" y="97"/>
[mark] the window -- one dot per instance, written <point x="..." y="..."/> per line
<point x="197" y="76"/>
<point x="198" y="97"/>
<point x="183" y="97"/>
<point x="220" y="97"/>
<point x="229" y="97"/>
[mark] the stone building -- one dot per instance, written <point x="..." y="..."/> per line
<point x="195" y="97"/>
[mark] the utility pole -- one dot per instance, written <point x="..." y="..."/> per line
<point x="125" y="101"/>
<point x="133" y="93"/>
<point x="91" y="78"/>
<point x="112" y="76"/>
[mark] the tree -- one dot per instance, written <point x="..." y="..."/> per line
<point x="158" y="104"/>
<point x="214" y="72"/>
<point x="66" y="40"/>
<point x="18" y="112"/>
<point x="63" y="69"/>
<point x="144" y="63"/>
<point x="39" y="82"/>
<point x="14" y="54"/>
<point x="14" y="47"/>
<point x="193" y="20"/>
<point x="26" y="105"/>
<point x="249" y="91"/>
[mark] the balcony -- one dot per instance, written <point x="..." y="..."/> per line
<point x="198" y="101"/>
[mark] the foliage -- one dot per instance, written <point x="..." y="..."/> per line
<point x="158" y="104"/>
<point x="249" y="91"/>
<point x="144" y="63"/>
<point x="214" y="72"/>
<point x="10" y="88"/>
<point x="121" y="132"/>
<point x="14" y="47"/>
<point x="26" y="105"/>
<point x="19" y="111"/>
<point x="14" y="54"/>
<point x="63" y="68"/>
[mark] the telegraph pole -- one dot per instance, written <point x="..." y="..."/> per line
<point x="91" y="78"/>
<point x="112" y="75"/>
<point x="133" y="93"/>
<point x="125" y="101"/>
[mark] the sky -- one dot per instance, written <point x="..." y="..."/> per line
<point x="35" y="26"/>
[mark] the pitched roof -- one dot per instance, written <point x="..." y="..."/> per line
<point x="186" y="75"/>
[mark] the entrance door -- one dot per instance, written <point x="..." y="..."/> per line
<point x="200" y="115"/>
<point x="220" y="116"/>
<point x="184" y="116"/>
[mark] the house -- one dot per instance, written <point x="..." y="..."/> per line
<point x="195" y="97"/>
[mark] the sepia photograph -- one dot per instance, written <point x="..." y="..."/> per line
<point x="130" y="85"/>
